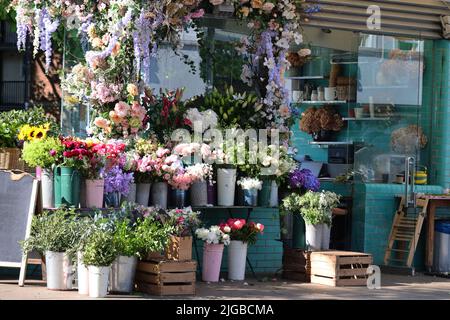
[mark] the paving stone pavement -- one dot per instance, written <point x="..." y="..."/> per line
<point x="392" y="287"/>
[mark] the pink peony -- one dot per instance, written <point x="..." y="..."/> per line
<point x="101" y="122"/>
<point x="122" y="109"/>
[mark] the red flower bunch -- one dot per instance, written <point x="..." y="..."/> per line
<point x="241" y="230"/>
<point x="74" y="148"/>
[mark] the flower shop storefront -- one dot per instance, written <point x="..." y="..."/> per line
<point x="222" y="138"/>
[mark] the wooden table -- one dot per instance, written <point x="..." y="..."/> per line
<point x="435" y="201"/>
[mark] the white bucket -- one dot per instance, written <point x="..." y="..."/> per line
<point x="326" y="231"/>
<point x="226" y="184"/>
<point x="143" y="193"/>
<point x="123" y="270"/>
<point x="237" y="258"/>
<point x="98" y="281"/>
<point x="274" y="195"/>
<point x="83" y="275"/>
<point x="59" y="271"/>
<point x="313" y="236"/>
<point x="47" y="188"/>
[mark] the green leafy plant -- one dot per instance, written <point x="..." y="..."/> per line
<point x="41" y="153"/>
<point x="152" y="235"/>
<point x="100" y="250"/>
<point x="12" y="121"/>
<point x="314" y="207"/>
<point x="233" y="109"/>
<point x="125" y="239"/>
<point x="53" y="231"/>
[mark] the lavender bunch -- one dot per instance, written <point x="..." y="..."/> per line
<point x="116" y="180"/>
<point x="304" y="180"/>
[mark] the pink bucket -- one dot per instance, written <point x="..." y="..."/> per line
<point x="38" y="173"/>
<point x="212" y="260"/>
<point x="94" y="193"/>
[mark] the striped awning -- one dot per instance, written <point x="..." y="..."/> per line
<point x="409" y="18"/>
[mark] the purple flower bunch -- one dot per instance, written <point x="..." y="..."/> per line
<point x="303" y="179"/>
<point x="116" y="180"/>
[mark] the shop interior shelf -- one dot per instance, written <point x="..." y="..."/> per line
<point x="366" y="119"/>
<point x="330" y="143"/>
<point x="320" y="102"/>
<point x="304" y="77"/>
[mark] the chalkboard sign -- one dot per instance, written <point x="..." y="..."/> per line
<point x="18" y="194"/>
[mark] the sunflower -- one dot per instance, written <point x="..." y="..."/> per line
<point x="40" y="133"/>
<point x="24" y="132"/>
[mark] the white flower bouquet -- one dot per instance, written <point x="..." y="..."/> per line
<point x="213" y="235"/>
<point x="250" y="183"/>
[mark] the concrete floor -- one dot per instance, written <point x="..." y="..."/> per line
<point x="392" y="287"/>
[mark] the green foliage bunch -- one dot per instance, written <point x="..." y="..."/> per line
<point x="100" y="250"/>
<point x="38" y="153"/>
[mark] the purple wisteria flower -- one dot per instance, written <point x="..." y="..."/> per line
<point x="303" y="179"/>
<point x="116" y="180"/>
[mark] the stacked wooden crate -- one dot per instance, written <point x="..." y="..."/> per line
<point x="340" y="268"/>
<point x="159" y="276"/>
<point x="296" y="264"/>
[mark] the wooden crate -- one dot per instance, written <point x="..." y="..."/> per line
<point x="296" y="264"/>
<point x="340" y="268"/>
<point x="166" y="277"/>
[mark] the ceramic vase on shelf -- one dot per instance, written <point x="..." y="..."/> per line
<point x="143" y="193"/>
<point x="212" y="193"/>
<point x="313" y="235"/>
<point x="264" y="193"/>
<point x="199" y="194"/>
<point x="250" y="197"/>
<point x="212" y="260"/>
<point x="122" y="274"/>
<point x="47" y="191"/>
<point x="237" y="258"/>
<point x="98" y="281"/>
<point x="159" y="194"/>
<point x="83" y="275"/>
<point x="59" y="270"/>
<point x="94" y="193"/>
<point x="226" y="185"/>
<point x="131" y="197"/>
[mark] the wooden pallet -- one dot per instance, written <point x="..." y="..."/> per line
<point x="296" y="265"/>
<point x="166" y="277"/>
<point x="405" y="234"/>
<point x="340" y="268"/>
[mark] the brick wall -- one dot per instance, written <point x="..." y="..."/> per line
<point x="266" y="255"/>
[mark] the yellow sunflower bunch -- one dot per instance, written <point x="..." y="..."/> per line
<point x="31" y="133"/>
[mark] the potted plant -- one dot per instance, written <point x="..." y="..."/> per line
<point x="84" y="227"/>
<point x="99" y="253"/>
<point x="250" y="187"/>
<point x="53" y="234"/>
<point x="180" y="242"/>
<point x="215" y="240"/>
<point x="316" y="210"/>
<point x="42" y="153"/>
<point x="117" y="184"/>
<point x="202" y="174"/>
<point x="242" y="234"/>
<point x="321" y="122"/>
<point x="124" y="267"/>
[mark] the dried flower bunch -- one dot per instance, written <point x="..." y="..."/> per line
<point x="325" y="118"/>
<point x="408" y="139"/>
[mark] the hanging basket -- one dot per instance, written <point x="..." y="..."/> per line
<point x="10" y="159"/>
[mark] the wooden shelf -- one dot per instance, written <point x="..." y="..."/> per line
<point x="330" y="143"/>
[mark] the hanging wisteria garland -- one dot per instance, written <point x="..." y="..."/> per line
<point x="107" y="26"/>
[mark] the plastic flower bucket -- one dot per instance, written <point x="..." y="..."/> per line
<point x="237" y="258"/>
<point x="298" y="232"/>
<point x="94" y="193"/>
<point x="67" y="187"/>
<point x="264" y="193"/>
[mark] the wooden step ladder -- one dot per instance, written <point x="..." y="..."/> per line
<point x="405" y="232"/>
